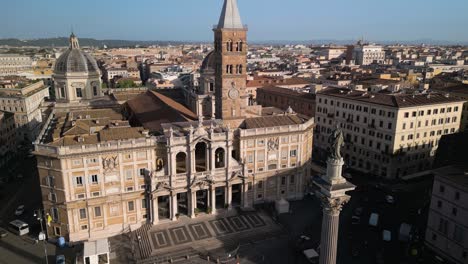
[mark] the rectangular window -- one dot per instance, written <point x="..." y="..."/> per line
<point x="97" y="211"/>
<point x="79" y="181"/>
<point x="79" y="93"/>
<point x="131" y="206"/>
<point x="142" y="172"/>
<point x="128" y="175"/>
<point x="143" y="203"/>
<point x="57" y="231"/>
<point x="260" y="185"/>
<point x="94" y="179"/>
<point x="283" y="180"/>
<point x="83" y="213"/>
<point x="95" y="91"/>
<point x="293" y="153"/>
<point x="260" y="156"/>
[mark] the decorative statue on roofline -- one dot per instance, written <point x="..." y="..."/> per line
<point x="336" y="141"/>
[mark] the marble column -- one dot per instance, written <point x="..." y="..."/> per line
<point x="155" y="210"/>
<point x="245" y="195"/>
<point x="229" y="196"/>
<point x="213" y="199"/>
<point x="174" y="207"/>
<point x="330" y="224"/>
<point x="192" y="203"/>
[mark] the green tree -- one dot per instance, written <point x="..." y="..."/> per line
<point x="126" y="84"/>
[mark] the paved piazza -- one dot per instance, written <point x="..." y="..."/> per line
<point x="208" y="232"/>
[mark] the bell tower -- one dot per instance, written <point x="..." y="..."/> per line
<point x="231" y="63"/>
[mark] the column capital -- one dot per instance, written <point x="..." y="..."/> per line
<point x="334" y="205"/>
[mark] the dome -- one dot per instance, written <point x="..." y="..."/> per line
<point x="75" y="60"/>
<point x="208" y="63"/>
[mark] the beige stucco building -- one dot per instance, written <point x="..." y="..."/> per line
<point x="388" y="134"/>
<point x="446" y="231"/>
<point x="25" y="103"/>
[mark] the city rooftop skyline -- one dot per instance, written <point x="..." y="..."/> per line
<point x="182" y="20"/>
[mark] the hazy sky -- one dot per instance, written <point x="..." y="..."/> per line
<point x="267" y="19"/>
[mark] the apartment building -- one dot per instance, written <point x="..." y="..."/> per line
<point x="14" y="64"/>
<point x="446" y="232"/>
<point x="365" y="54"/>
<point x="24" y="101"/>
<point x="388" y="134"/>
<point x="284" y="99"/>
<point x="7" y="137"/>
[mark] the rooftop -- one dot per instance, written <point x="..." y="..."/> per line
<point x="230" y="17"/>
<point x="272" y="121"/>
<point x="397" y="100"/>
<point x="265" y="81"/>
<point x="456" y="174"/>
<point x="92" y="126"/>
<point x="152" y="109"/>
<point x="288" y="92"/>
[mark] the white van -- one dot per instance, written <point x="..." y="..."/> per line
<point x="374" y="219"/>
<point x="19" y="227"/>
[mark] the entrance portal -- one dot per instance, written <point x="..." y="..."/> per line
<point x="236" y="194"/>
<point x="202" y="200"/>
<point x="163" y="207"/>
<point x="182" y="203"/>
<point x="220" y="197"/>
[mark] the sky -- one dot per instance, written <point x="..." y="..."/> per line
<point x="192" y="20"/>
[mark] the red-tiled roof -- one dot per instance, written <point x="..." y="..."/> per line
<point x="152" y="109"/>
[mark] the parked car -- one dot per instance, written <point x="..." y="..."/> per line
<point x="20" y="210"/>
<point x="374" y="219"/>
<point x="311" y="255"/>
<point x="389" y="199"/>
<point x="386" y="235"/>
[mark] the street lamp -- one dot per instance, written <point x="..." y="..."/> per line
<point x="38" y="214"/>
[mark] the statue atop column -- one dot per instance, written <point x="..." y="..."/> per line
<point x="336" y="141"/>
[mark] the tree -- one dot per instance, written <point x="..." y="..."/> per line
<point x="126" y="84"/>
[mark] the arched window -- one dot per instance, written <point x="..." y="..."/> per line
<point x="181" y="162"/>
<point x="219" y="158"/>
<point x="229" y="45"/>
<point x="200" y="157"/>
<point x="239" y="46"/>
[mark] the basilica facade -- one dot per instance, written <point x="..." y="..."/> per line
<point x="164" y="155"/>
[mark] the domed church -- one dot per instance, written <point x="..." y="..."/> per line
<point x="76" y="75"/>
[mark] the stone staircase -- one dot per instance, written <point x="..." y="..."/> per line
<point x="142" y="240"/>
